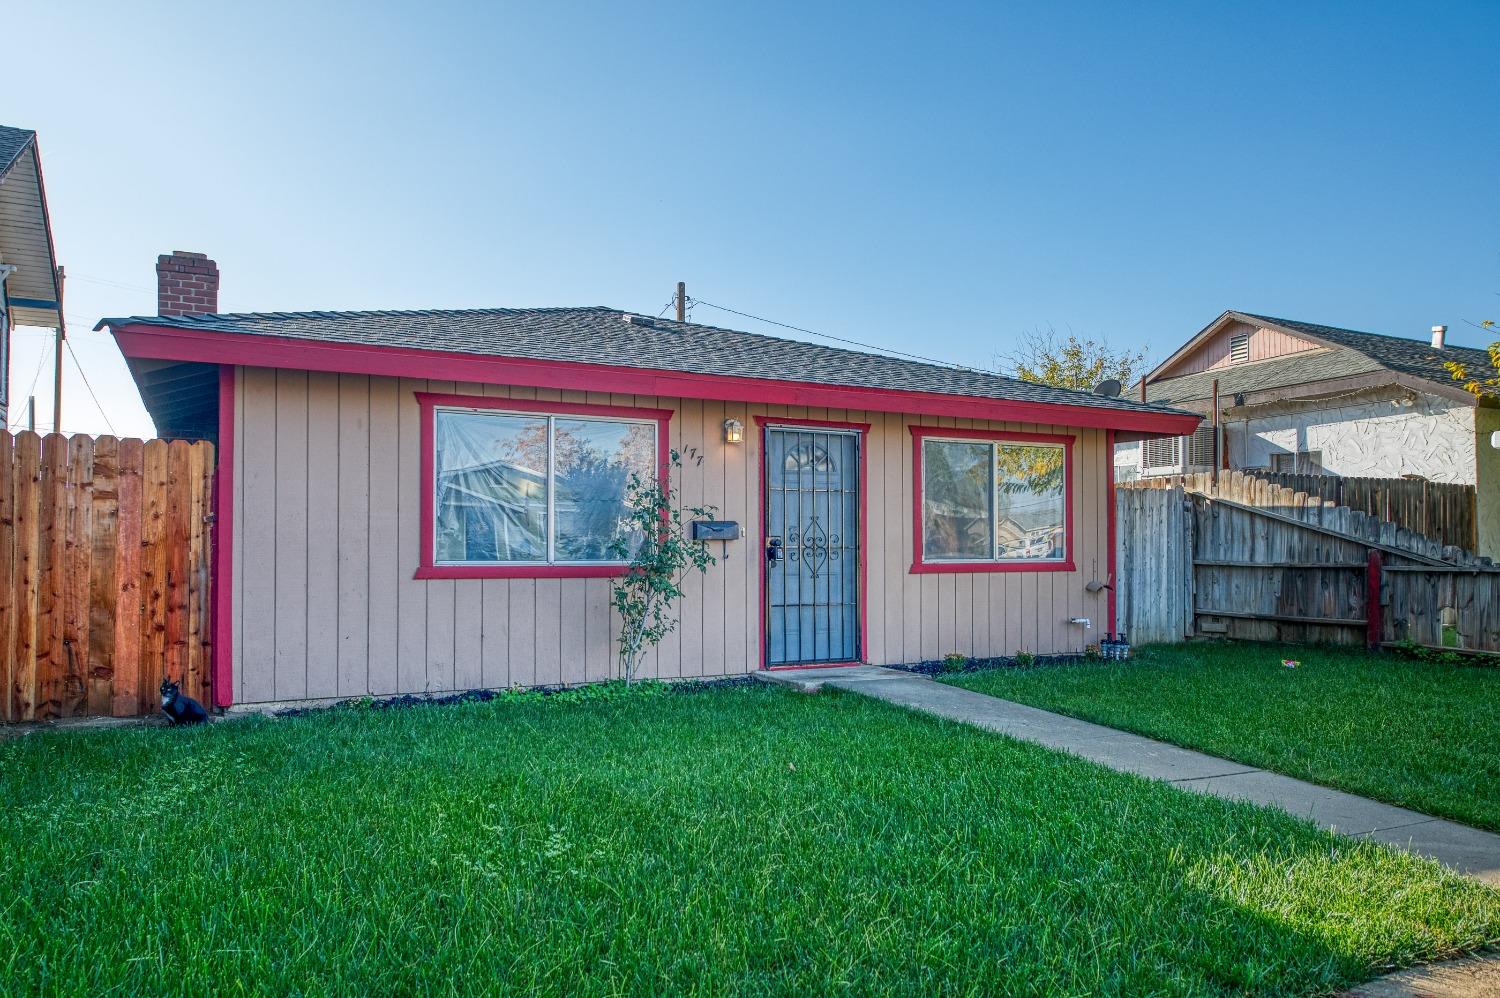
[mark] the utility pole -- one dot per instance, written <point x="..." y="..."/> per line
<point x="1218" y="433"/>
<point x="681" y="301"/>
<point x="57" y="361"/>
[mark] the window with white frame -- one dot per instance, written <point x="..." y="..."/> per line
<point x="992" y="500"/>
<point x="532" y="488"/>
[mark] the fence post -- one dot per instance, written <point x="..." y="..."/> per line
<point x="1374" y="622"/>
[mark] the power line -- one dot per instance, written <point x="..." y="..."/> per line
<point x="110" y="284"/>
<point x="97" y="404"/>
<point x="842" y="339"/>
<point x="42" y="359"/>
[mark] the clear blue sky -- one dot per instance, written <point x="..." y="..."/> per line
<point x="921" y="177"/>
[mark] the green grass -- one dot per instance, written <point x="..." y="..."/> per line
<point x="742" y="839"/>
<point x="1414" y="733"/>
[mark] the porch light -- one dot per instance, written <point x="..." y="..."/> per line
<point x="734" y="431"/>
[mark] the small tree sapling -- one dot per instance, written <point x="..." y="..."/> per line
<point x="660" y="555"/>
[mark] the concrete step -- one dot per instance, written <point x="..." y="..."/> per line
<point x="813" y="680"/>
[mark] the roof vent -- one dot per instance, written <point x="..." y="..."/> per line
<point x="639" y="320"/>
<point x="1439" y="335"/>
<point x="1239" y="348"/>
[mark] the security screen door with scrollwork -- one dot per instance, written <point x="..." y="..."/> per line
<point x="812" y="574"/>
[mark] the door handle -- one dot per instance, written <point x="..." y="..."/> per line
<point x="774" y="552"/>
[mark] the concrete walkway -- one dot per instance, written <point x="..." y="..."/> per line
<point x="1467" y="850"/>
<point x="1469" y="977"/>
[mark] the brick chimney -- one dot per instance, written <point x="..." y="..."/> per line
<point x="186" y="282"/>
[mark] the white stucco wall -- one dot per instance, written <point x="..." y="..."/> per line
<point x="1433" y="437"/>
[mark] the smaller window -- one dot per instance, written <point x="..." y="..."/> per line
<point x="1305" y="462"/>
<point x="992" y="501"/>
<point x="1239" y="348"/>
<point x="1198" y="449"/>
<point x="1161" y="452"/>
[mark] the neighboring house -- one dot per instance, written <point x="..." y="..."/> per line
<point x="423" y="502"/>
<point x="30" y="294"/>
<point x="1301" y="397"/>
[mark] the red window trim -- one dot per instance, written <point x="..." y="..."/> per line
<point x="920" y="567"/>
<point x="429" y="403"/>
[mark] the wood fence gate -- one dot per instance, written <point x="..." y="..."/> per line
<point x="105" y="573"/>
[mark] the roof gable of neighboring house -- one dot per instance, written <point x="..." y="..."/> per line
<point x="26" y="233"/>
<point x="13" y="142"/>
<point x="606" y="345"/>
<point x="1284" y="356"/>
<point x="1217" y="350"/>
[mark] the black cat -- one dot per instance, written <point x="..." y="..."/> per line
<point x="181" y="709"/>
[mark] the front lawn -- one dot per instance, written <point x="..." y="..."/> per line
<point x="1418" y="734"/>
<point x="741" y="839"/>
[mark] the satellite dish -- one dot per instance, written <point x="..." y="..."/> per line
<point x="1109" y="388"/>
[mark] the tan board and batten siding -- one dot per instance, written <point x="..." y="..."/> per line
<point x="326" y="522"/>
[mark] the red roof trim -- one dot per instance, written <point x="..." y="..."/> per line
<point x="145" y="341"/>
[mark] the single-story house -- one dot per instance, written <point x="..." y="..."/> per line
<point x="423" y="502"/>
<point x="30" y="284"/>
<point x="1313" y="399"/>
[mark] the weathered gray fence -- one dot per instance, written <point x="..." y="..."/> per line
<point x="1154" y="563"/>
<point x="1443" y="513"/>
<point x="1196" y="565"/>
<point x="1451" y="607"/>
<point x="1446" y="512"/>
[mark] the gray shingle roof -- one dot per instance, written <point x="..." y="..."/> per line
<point x="602" y="336"/>
<point x="12" y="142"/>
<point x="1346" y="352"/>
<point x="1398" y="353"/>
<point x="1297" y="369"/>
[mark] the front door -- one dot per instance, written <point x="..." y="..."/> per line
<point x="812" y="545"/>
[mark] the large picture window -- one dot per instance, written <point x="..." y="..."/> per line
<point x="991" y="501"/>
<point x="531" y="489"/>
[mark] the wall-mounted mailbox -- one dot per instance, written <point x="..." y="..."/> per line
<point x="716" y="530"/>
